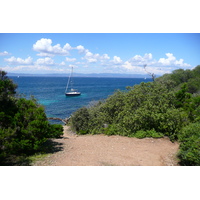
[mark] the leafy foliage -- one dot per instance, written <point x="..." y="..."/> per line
<point x="150" y="133"/>
<point x="180" y="77"/>
<point x="189" y="152"/>
<point x="144" y="107"/>
<point x="80" y="120"/>
<point x="55" y="131"/>
<point x="23" y="123"/>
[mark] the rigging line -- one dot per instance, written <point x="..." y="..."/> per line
<point x="69" y="80"/>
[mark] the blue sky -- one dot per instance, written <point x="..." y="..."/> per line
<point x="127" y="53"/>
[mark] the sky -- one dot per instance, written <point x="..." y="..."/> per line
<point x="125" y="53"/>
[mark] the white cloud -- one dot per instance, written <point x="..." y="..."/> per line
<point x="105" y="57"/>
<point x="159" y="67"/>
<point x="141" y="60"/>
<point x="137" y="58"/>
<point x="19" y="61"/>
<point x="134" y="65"/>
<point x="81" y="49"/>
<point x="5" y="53"/>
<point x="92" y="60"/>
<point x="171" y="61"/>
<point x="88" y="54"/>
<point x="70" y="59"/>
<point x="67" y="47"/>
<point x="136" y="69"/>
<point x="90" y="57"/>
<point x="62" y="63"/>
<point x="140" y="69"/>
<point x="127" y="65"/>
<point x="20" y="68"/>
<point x="80" y="63"/>
<point x="157" y="70"/>
<point x="148" y="56"/>
<point x="116" y="60"/>
<point x="45" y="55"/>
<point x="45" y="61"/>
<point x="12" y="69"/>
<point x="33" y="69"/>
<point x="167" y="61"/>
<point x="44" y="46"/>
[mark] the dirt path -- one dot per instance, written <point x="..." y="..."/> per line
<point x="101" y="150"/>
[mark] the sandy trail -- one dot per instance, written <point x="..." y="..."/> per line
<point x="101" y="150"/>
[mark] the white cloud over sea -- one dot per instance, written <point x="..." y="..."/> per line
<point x="5" y="53"/>
<point x="57" y="58"/>
<point x="16" y="61"/>
<point x="45" y="61"/>
<point x="44" y="46"/>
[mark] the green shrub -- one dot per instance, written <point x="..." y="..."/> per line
<point x="172" y="122"/>
<point x="148" y="106"/>
<point x="80" y="120"/>
<point x="151" y="133"/>
<point x="112" y="107"/>
<point x="23" y="123"/>
<point x="55" y="131"/>
<point x="115" y="129"/>
<point x="30" y="127"/>
<point x="189" y="138"/>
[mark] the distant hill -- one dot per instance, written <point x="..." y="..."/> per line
<point x="85" y="75"/>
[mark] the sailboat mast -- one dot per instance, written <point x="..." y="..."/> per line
<point x="72" y="79"/>
<point x="69" y="80"/>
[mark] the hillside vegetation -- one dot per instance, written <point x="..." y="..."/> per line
<point x="24" y="127"/>
<point x="168" y="106"/>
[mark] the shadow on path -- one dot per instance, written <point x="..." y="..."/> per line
<point x="49" y="147"/>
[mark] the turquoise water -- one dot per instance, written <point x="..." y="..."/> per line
<point x="50" y="91"/>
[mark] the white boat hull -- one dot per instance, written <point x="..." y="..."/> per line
<point x="72" y="93"/>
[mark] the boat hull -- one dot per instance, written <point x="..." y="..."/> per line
<point x="72" y="94"/>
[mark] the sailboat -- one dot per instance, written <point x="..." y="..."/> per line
<point x="70" y="91"/>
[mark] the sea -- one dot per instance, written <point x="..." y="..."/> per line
<point x="50" y="92"/>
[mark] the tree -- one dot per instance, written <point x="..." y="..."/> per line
<point x="7" y="101"/>
<point x="23" y="123"/>
<point x="197" y="70"/>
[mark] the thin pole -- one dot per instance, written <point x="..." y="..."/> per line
<point x="68" y="80"/>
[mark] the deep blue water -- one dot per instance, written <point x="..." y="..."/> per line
<point x="49" y="91"/>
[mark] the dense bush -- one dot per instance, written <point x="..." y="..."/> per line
<point x="143" y="107"/>
<point x="80" y="121"/>
<point x="180" y="76"/>
<point x="189" y="138"/>
<point x="23" y="123"/>
<point x="150" y="133"/>
<point x="55" y="131"/>
<point x="30" y="125"/>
